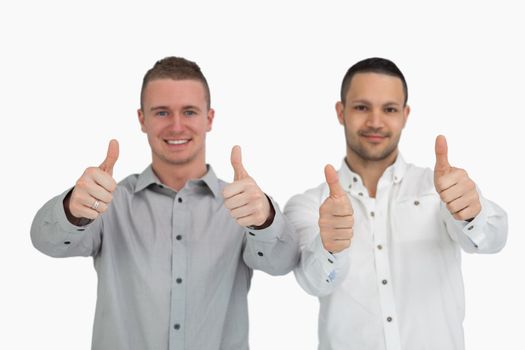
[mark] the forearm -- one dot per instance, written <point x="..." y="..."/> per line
<point x="273" y="249"/>
<point x="486" y="233"/>
<point x="54" y="235"/>
<point x="319" y="272"/>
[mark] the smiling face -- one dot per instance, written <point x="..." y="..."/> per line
<point x="373" y="115"/>
<point x="176" y="118"/>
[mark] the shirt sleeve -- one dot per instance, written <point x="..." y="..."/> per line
<point x="487" y="233"/>
<point x="318" y="271"/>
<point x="274" y="249"/>
<point x="54" y="235"/>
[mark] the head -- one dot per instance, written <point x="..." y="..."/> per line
<point x="373" y="109"/>
<point x="175" y="113"/>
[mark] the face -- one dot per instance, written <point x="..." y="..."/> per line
<point x="373" y="116"/>
<point x="176" y="119"/>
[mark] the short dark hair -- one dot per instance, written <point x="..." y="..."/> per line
<point x="176" y="68"/>
<point x="373" y="65"/>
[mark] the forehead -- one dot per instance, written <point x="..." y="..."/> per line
<point x="375" y="87"/>
<point x="173" y="93"/>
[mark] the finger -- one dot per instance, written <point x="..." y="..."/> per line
<point x="465" y="201"/>
<point x="468" y="213"/>
<point x="104" y="179"/>
<point x="111" y="157"/>
<point x="239" y="172"/>
<point x="455" y="177"/>
<point x="243" y="211"/>
<point x="236" y="201"/>
<point x="332" y="180"/>
<point x="246" y="185"/>
<point x="441" y="149"/>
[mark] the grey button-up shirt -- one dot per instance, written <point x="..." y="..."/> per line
<point x="174" y="268"/>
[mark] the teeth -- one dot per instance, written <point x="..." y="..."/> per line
<point x="177" y="142"/>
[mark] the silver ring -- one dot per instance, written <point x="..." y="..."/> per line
<point x="95" y="205"/>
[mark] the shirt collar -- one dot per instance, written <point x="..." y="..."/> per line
<point x="394" y="173"/>
<point x="209" y="180"/>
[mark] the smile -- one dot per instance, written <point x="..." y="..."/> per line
<point x="177" y="142"/>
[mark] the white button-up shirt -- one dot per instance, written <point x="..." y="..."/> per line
<point x="399" y="285"/>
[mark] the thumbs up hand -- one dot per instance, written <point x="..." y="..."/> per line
<point x="336" y="215"/>
<point x="454" y="186"/>
<point x="93" y="190"/>
<point x="246" y="201"/>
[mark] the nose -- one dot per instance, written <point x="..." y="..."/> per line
<point x="375" y="118"/>
<point x="176" y="123"/>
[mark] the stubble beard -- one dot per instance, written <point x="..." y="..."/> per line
<point x="353" y="143"/>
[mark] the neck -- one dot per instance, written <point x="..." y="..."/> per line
<point x="176" y="175"/>
<point x="370" y="171"/>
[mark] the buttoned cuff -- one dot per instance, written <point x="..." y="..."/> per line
<point x="474" y="229"/>
<point x="331" y="263"/>
<point x="272" y="232"/>
<point x="59" y="216"/>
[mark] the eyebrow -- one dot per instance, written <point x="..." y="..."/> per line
<point x="366" y="102"/>
<point x="156" y="108"/>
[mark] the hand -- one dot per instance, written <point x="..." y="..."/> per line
<point x="93" y="191"/>
<point x="245" y="200"/>
<point x="454" y="186"/>
<point x="336" y="215"/>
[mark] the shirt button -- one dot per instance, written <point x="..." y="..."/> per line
<point x="251" y="233"/>
<point x="176" y="326"/>
<point x="355" y="179"/>
<point x="470" y="228"/>
<point x="330" y="261"/>
<point x="179" y="237"/>
<point x="350" y="186"/>
<point x="416" y="202"/>
<point x="372" y="214"/>
<point x="179" y="280"/>
<point x="260" y="253"/>
<point x="384" y="281"/>
<point x="389" y="319"/>
<point x="379" y="246"/>
<point x="67" y="242"/>
<point x="360" y="193"/>
<point x="180" y="200"/>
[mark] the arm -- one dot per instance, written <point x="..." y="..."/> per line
<point x="319" y="271"/>
<point x="478" y="225"/>
<point x="486" y="233"/>
<point x="54" y="235"/>
<point x="68" y="224"/>
<point x="273" y="247"/>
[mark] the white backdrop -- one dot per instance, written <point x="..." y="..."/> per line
<point x="70" y="75"/>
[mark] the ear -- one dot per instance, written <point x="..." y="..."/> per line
<point x="209" y="118"/>
<point x="339" y="109"/>
<point x="406" y="112"/>
<point x="141" y="119"/>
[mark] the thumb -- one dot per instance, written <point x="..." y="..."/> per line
<point x="239" y="172"/>
<point x="333" y="182"/>
<point x="111" y="157"/>
<point x="442" y="164"/>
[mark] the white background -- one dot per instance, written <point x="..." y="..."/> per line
<point x="70" y="75"/>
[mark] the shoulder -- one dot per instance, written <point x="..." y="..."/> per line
<point x="311" y="197"/>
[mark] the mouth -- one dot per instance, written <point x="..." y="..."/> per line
<point x="373" y="137"/>
<point x="177" y="142"/>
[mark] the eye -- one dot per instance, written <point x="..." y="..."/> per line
<point x="161" y="114"/>
<point x="390" y="110"/>
<point x="189" y="113"/>
<point x="361" y="108"/>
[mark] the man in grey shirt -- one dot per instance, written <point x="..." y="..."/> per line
<point x="173" y="247"/>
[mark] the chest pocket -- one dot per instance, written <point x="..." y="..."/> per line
<point x="416" y="218"/>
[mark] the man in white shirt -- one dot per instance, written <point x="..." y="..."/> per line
<point x="381" y="240"/>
